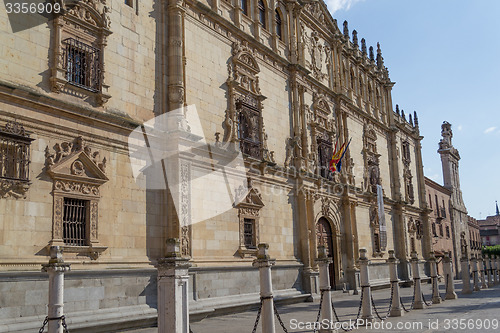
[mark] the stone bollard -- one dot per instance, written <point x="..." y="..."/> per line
<point x="475" y="277"/>
<point x="264" y="263"/>
<point x="466" y="289"/>
<point x="498" y="268"/>
<point x="418" y="303"/>
<point x="450" y="286"/>
<point x="396" y="309"/>
<point x="484" y="285"/>
<point x="172" y="289"/>
<point x="324" y="284"/>
<point x="56" y="268"/>
<point x="488" y="270"/>
<point x="366" y="294"/>
<point x="495" y="269"/>
<point x="436" y="299"/>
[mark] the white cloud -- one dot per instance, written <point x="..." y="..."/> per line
<point x="489" y="130"/>
<point x="336" y="5"/>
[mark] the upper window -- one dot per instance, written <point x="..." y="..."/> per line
<point x="279" y="28"/>
<point x="129" y="3"/>
<point x="78" y="52"/>
<point x="82" y="64"/>
<point x="244" y="6"/>
<point x="262" y="13"/>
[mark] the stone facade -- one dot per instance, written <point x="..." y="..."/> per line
<point x="442" y="226"/>
<point x="475" y="242"/>
<point x="283" y="91"/>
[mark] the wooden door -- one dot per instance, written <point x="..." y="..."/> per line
<point x="324" y="237"/>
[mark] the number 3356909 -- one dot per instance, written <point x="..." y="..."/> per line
<point x="32" y="8"/>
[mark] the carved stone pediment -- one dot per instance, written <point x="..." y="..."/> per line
<point x="252" y="201"/>
<point x="319" y="13"/>
<point x="75" y="168"/>
<point x="93" y="12"/>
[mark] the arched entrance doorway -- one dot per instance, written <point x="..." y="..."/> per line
<point x="324" y="237"/>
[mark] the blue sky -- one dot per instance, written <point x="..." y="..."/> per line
<point x="444" y="57"/>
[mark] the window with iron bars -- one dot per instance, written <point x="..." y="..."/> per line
<point x="14" y="153"/>
<point x="75" y="221"/>
<point x="249" y="233"/>
<point x="82" y="65"/>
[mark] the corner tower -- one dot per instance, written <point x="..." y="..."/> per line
<point x="451" y="179"/>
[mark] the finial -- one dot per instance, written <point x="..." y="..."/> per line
<point x="415" y="118"/>
<point x="397" y="110"/>
<point x="346" y="30"/>
<point x="363" y="46"/>
<point x="380" y="59"/>
<point x="355" y="38"/>
<point x="403" y="114"/>
<point x="372" y="56"/>
<point x="498" y="212"/>
<point x="410" y="120"/>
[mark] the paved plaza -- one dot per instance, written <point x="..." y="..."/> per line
<point x="476" y="311"/>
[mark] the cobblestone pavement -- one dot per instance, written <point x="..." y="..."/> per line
<point x="476" y="311"/>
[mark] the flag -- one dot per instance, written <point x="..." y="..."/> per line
<point x="336" y="161"/>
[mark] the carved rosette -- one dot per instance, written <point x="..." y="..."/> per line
<point x="77" y="173"/>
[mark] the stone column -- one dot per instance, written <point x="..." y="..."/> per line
<point x="396" y="309"/>
<point x="418" y="303"/>
<point x="324" y="283"/>
<point x="173" y="305"/>
<point x="436" y="299"/>
<point x="448" y="275"/>
<point x="56" y="268"/>
<point x="366" y="306"/>
<point x="264" y="263"/>
<point x="475" y="277"/>
<point x="484" y="285"/>
<point x="466" y="289"/>
<point x="488" y="270"/>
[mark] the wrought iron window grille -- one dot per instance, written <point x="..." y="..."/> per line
<point x="14" y="153"/>
<point x="82" y="64"/>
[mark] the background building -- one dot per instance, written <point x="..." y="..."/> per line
<point x="490" y="229"/>
<point x="277" y="81"/>
<point x="475" y="242"/>
<point x="440" y="218"/>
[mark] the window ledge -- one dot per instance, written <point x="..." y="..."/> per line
<point x="247" y="252"/>
<point x="92" y="251"/>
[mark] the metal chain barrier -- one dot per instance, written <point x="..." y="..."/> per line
<point x="319" y="311"/>
<point x="423" y="298"/>
<point x="258" y="316"/>
<point x="279" y="319"/>
<point x="412" y="300"/>
<point x="390" y="305"/>
<point x="357" y="316"/>
<point x="47" y="319"/>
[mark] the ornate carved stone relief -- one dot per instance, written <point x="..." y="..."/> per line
<point x="371" y="159"/>
<point x="14" y="160"/>
<point x="77" y="172"/>
<point x="319" y="52"/>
